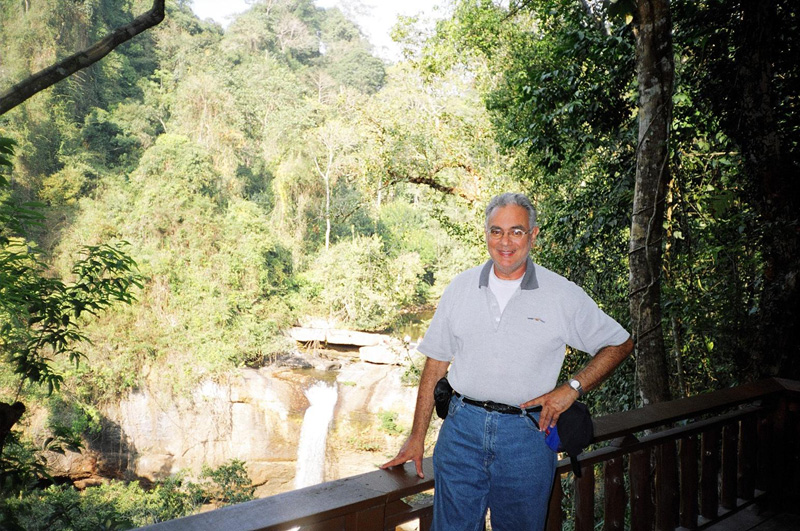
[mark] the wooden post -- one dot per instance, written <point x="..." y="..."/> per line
<point x="764" y="458"/>
<point x="554" y="513"/>
<point x="370" y="519"/>
<point x="748" y="434"/>
<point x="425" y="521"/>
<point x="666" y="487"/>
<point x="689" y="480"/>
<point x="641" y="503"/>
<point x="709" y="472"/>
<point x="778" y="459"/>
<point x="584" y="500"/>
<point x="615" y="499"/>
<point x="730" y="466"/>
<point x="793" y="454"/>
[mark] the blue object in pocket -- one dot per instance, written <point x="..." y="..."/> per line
<point x="552" y="439"/>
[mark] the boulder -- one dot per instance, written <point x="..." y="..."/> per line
<point x="383" y="354"/>
<point x="339" y="336"/>
<point x="307" y="335"/>
<point x="355" y="339"/>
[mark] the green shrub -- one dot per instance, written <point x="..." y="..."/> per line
<point x="389" y="423"/>
<point x="359" y="285"/>
<point x="119" y="505"/>
<point x="228" y="483"/>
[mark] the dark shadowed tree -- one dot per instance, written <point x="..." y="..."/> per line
<point x="655" y="73"/>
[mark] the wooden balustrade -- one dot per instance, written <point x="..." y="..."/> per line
<point x="685" y="463"/>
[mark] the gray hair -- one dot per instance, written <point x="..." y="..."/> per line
<point x="511" y="199"/>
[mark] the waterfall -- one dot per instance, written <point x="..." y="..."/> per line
<point x="313" y="435"/>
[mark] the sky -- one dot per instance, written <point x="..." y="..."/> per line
<point x="376" y="17"/>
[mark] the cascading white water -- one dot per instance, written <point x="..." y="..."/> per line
<point x="313" y="435"/>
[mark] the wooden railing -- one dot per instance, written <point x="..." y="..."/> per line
<point x="686" y="463"/>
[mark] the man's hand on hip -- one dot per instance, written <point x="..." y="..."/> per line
<point x="553" y="404"/>
<point x="598" y="369"/>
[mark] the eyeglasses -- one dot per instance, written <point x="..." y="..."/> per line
<point x="516" y="235"/>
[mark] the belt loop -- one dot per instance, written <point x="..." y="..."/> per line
<point x="529" y="414"/>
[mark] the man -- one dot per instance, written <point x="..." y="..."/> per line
<point x="501" y="328"/>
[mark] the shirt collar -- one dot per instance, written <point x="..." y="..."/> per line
<point x="528" y="280"/>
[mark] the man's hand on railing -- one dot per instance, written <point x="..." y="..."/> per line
<point x="414" y="447"/>
<point x="412" y="450"/>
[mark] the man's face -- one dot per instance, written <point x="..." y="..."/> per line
<point x="509" y="254"/>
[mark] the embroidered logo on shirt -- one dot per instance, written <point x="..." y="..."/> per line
<point x="536" y="319"/>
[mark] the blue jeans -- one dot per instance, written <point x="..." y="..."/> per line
<point x="487" y="459"/>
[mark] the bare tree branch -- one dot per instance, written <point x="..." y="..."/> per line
<point x="63" y="69"/>
<point x="428" y="180"/>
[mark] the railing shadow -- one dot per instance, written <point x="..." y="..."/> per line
<point x="687" y="463"/>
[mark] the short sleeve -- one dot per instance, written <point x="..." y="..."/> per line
<point x="591" y="329"/>
<point x="438" y="342"/>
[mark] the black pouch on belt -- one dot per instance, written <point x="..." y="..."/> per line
<point x="441" y="396"/>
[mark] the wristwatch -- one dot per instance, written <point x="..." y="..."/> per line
<point x="575" y="384"/>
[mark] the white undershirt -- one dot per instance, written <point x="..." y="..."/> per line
<point x="503" y="289"/>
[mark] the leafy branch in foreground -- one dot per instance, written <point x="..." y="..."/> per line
<point x="40" y="316"/>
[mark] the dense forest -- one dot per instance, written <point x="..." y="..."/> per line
<point x="233" y="183"/>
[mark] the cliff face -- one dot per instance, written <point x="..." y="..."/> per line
<point x="254" y="416"/>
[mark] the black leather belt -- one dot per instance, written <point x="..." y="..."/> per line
<point x="488" y="405"/>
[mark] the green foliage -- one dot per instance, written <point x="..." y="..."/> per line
<point x="22" y="466"/>
<point x="228" y="483"/>
<point x="360" y="286"/>
<point x="15" y="218"/>
<point x="389" y="423"/>
<point x="73" y="419"/>
<point x="729" y="232"/>
<point x="119" y="505"/>
<point x="356" y="67"/>
<point x="40" y="316"/>
<point x="405" y="228"/>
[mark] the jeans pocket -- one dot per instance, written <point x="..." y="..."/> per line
<point x="531" y="424"/>
<point x="455" y="405"/>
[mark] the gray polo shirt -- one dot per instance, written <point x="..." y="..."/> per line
<point x="517" y="355"/>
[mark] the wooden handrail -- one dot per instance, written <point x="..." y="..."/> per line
<point x="664" y="413"/>
<point x="340" y="499"/>
<point x="374" y="501"/>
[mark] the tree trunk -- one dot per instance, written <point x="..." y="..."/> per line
<point x="55" y="73"/>
<point x="326" y="178"/>
<point x="777" y="193"/>
<point x="327" y="211"/>
<point x="655" y="73"/>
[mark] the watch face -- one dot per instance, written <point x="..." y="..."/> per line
<point x="575" y="384"/>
